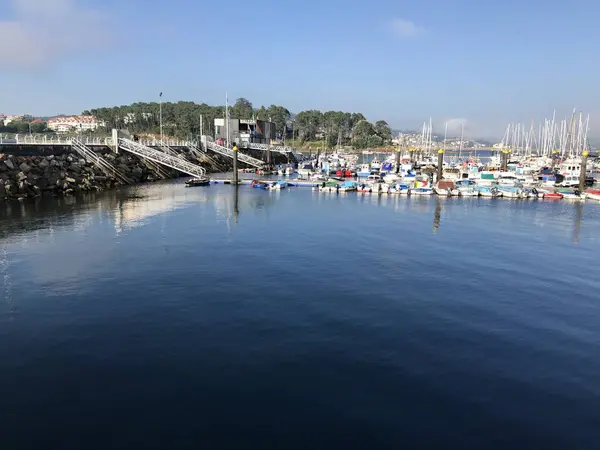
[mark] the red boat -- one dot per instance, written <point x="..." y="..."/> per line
<point x="343" y="173"/>
<point x="553" y="195"/>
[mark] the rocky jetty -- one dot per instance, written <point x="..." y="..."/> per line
<point x="33" y="176"/>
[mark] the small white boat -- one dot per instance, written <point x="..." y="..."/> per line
<point x="575" y="195"/>
<point x="400" y="188"/>
<point x="364" y="171"/>
<point x="487" y="191"/>
<point x="468" y="191"/>
<point x="391" y="178"/>
<point x="421" y="191"/>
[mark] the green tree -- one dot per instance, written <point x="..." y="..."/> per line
<point x="242" y="109"/>
<point x="362" y="129"/>
<point x="383" y="130"/>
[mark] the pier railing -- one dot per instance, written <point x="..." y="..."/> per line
<point x="225" y="151"/>
<point x="45" y="139"/>
<point x="160" y="157"/>
<point x="91" y="156"/>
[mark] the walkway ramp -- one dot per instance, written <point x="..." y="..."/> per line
<point x="174" y="162"/>
<point x="197" y="150"/>
<point x="283" y="149"/>
<point x="229" y="153"/>
<point x="91" y="156"/>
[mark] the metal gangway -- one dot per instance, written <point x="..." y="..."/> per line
<point x="274" y="148"/>
<point x="174" y="162"/>
<point x="91" y="156"/>
<point x="197" y="150"/>
<point x="229" y="153"/>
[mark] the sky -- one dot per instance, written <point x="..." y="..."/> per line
<point x="480" y="63"/>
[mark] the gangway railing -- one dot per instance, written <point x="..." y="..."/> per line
<point x="229" y="153"/>
<point x="274" y="148"/>
<point x="174" y="162"/>
<point x="90" y="156"/>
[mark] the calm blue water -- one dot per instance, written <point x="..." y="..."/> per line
<point x="158" y="318"/>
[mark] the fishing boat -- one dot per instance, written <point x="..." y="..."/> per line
<point x="201" y="181"/>
<point x="346" y="173"/>
<point x="375" y="164"/>
<point x="348" y="186"/>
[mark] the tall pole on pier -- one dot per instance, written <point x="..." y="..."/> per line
<point x="201" y="133"/>
<point x="440" y="164"/>
<point x="235" y="165"/>
<point x="160" y="116"/>
<point x="226" y="120"/>
<point x="582" y="171"/>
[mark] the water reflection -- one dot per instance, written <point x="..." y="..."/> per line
<point x="437" y="214"/>
<point x="134" y="207"/>
<point x="236" y="199"/>
<point x="577" y="222"/>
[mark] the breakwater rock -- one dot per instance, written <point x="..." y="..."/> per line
<point x="33" y="176"/>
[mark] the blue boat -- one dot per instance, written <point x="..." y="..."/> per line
<point x="348" y="186"/>
<point x="259" y="184"/>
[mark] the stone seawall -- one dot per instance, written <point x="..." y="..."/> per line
<point x="67" y="173"/>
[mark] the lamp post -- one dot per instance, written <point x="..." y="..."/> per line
<point x="160" y="117"/>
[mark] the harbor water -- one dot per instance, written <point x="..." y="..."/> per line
<point x="169" y="317"/>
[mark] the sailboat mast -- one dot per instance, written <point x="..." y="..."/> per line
<point x="462" y="133"/>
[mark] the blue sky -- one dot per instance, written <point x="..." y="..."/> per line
<point x="475" y="61"/>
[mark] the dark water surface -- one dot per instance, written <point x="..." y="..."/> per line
<point x="158" y="318"/>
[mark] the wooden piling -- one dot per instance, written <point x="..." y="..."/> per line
<point x="235" y="165"/>
<point x="582" y="171"/>
<point x="440" y="164"/>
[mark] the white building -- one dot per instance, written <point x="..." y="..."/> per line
<point x="13" y="117"/>
<point x="73" y="123"/>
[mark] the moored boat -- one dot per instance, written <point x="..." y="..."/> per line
<point x="201" y="181"/>
<point x="348" y="186"/>
<point x="259" y="184"/>
<point x="421" y="191"/>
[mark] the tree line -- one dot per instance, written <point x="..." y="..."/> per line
<point x="183" y="120"/>
<point x="23" y="127"/>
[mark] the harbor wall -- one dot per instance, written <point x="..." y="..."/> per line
<point x="66" y="173"/>
<point x="36" y="170"/>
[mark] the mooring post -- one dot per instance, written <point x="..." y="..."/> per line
<point x="235" y="164"/>
<point x="504" y="162"/>
<point x="115" y="140"/>
<point x="582" y="172"/>
<point x="440" y="164"/>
